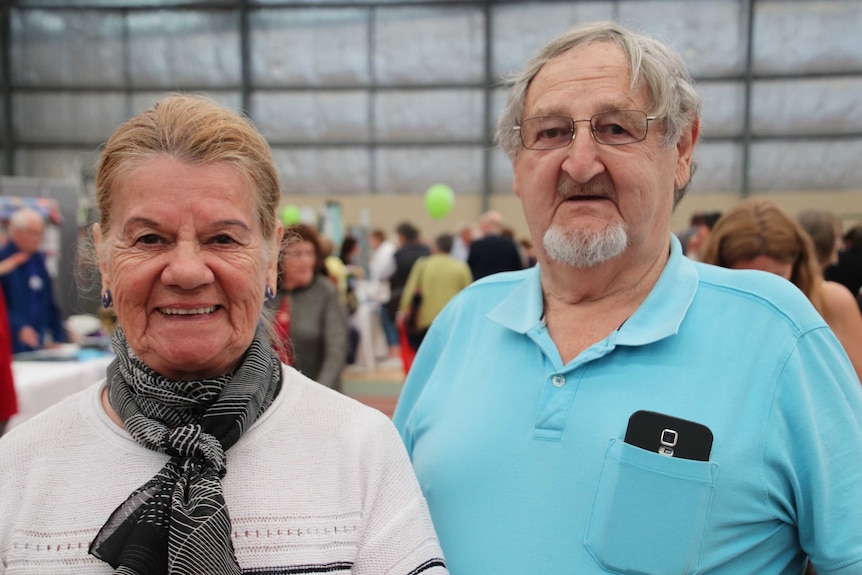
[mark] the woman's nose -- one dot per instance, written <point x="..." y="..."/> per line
<point x="187" y="267"/>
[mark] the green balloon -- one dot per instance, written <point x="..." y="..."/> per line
<point x="439" y="200"/>
<point x="290" y="215"/>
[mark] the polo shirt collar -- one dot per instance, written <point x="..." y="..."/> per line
<point x="658" y="317"/>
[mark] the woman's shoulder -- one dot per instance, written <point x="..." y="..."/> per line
<point x="838" y="301"/>
<point x="62" y="432"/>
<point x="316" y="404"/>
<point x="324" y="284"/>
<point x="321" y="288"/>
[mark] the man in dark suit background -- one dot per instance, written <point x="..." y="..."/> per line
<point x="494" y="251"/>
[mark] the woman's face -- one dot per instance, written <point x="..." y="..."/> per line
<point x="187" y="265"/>
<point x="299" y="262"/>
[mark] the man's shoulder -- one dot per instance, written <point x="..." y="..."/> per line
<point x="758" y="290"/>
<point x="490" y="290"/>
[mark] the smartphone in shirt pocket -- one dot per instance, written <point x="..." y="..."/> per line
<point x="669" y="436"/>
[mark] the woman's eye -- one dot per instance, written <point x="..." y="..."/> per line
<point x="223" y="239"/>
<point x="149" y="239"/>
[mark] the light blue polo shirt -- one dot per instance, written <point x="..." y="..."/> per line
<point x="522" y="458"/>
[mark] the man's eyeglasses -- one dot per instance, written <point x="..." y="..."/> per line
<point x="613" y="128"/>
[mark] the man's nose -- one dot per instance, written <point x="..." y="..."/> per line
<point x="583" y="163"/>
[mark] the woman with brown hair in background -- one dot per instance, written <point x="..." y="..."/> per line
<point x="757" y="234"/>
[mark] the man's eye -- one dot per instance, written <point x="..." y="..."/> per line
<point x="554" y="133"/>
<point x="612" y="130"/>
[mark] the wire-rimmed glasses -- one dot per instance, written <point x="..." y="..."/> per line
<point x="611" y="128"/>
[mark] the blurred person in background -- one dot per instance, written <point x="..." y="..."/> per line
<point x="8" y="398"/>
<point x="696" y="236"/>
<point x="348" y="283"/>
<point x="528" y="252"/>
<point x="758" y="235"/>
<point x="438" y="278"/>
<point x="381" y="266"/>
<point x="34" y="318"/>
<point x="461" y="242"/>
<point x="201" y="453"/>
<point x="495" y="251"/>
<point x="309" y="317"/>
<point x="840" y="306"/>
<point x="352" y="271"/>
<point x="410" y="249"/>
<point x="848" y="269"/>
<point x="332" y="265"/>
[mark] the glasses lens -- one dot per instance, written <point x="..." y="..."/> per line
<point x="619" y="127"/>
<point x="547" y="132"/>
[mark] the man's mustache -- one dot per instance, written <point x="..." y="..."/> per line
<point x="567" y="188"/>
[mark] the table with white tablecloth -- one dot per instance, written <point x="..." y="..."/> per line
<point x="41" y="384"/>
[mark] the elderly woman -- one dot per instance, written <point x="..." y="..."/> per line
<point x="309" y="318"/>
<point x="201" y="452"/>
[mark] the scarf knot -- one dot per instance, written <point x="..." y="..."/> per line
<point x="177" y="523"/>
<point x="192" y="442"/>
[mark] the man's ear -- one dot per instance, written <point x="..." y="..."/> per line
<point x="685" y="152"/>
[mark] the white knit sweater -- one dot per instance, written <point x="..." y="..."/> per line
<point x="319" y="484"/>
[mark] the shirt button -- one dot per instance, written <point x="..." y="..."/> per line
<point x="559" y="381"/>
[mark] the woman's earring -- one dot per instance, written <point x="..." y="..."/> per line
<point x="107" y="299"/>
<point x="270" y="295"/>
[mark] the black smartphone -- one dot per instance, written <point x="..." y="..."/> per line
<point x="668" y="435"/>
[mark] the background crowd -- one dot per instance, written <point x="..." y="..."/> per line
<point x="322" y="285"/>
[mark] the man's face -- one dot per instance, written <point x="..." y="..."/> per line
<point x="588" y="190"/>
<point x="28" y="238"/>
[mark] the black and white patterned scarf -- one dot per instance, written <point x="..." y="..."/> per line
<point x="178" y="521"/>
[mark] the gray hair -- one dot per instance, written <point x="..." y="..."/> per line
<point x="23" y="218"/>
<point x="653" y="64"/>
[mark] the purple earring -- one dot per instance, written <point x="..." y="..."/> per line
<point x="107" y="299"/>
<point x="270" y="295"/>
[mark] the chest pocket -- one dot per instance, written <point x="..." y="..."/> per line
<point x="649" y="512"/>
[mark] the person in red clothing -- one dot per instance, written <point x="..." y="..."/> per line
<point x="8" y="399"/>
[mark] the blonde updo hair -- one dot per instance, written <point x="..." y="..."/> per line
<point x="196" y="130"/>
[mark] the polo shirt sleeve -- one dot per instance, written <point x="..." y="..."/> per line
<point x="813" y="452"/>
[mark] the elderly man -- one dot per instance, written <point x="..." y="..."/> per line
<point x="620" y="408"/>
<point x="33" y="313"/>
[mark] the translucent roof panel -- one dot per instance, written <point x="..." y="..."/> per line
<point x="429" y="45"/>
<point x="67" y="47"/>
<point x="304" y="47"/>
<point x="186" y="49"/>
